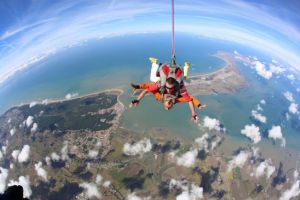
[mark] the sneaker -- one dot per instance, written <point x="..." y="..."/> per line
<point x="153" y="60"/>
<point x="134" y="86"/>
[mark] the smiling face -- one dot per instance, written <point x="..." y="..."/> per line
<point x="168" y="104"/>
<point x="169" y="86"/>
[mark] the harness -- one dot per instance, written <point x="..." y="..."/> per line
<point x="166" y="71"/>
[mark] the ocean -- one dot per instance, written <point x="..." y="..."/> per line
<point x="115" y="62"/>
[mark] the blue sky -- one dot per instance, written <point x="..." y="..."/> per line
<point x="33" y="30"/>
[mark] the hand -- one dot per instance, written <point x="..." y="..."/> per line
<point x="201" y="106"/>
<point x="134" y="103"/>
<point x="194" y="118"/>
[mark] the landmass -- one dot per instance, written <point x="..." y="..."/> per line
<point x="76" y="149"/>
<point x="226" y="80"/>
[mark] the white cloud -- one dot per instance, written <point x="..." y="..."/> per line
<point x="274" y="61"/>
<point x="32" y="104"/>
<point x="276" y="133"/>
<point x="239" y="160"/>
<point x="4" y="149"/>
<point x="93" y="153"/>
<point x="291" y="77"/>
<point x="24" y="154"/>
<point x="263" y="101"/>
<point x="41" y="113"/>
<point x="259" y="117"/>
<point x="15" y="154"/>
<point x="1" y="155"/>
<point x="64" y="151"/>
<point x="202" y="142"/>
<point x="276" y="69"/>
<point x="99" y="179"/>
<point x="29" y="121"/>
<point x="212" y="124"/>
<point x="190" y="191"/>
<point x="265" y="167"/>
<point x="45" y="101"/>
<point x="178" y="184"/>
<point x="252" y="132"/>
<point x="25" y="183"/>
<point x="261" y="70"/>
<point x="71" y="95"/>
<point x="138" y="148"/>
<point x="3" y="178"/>
<point x="99" y="144"/>
<point x="187" y="159"/>
<point x="292" y="192"/>
<point x="215" y="142"/>
<point x="296" y="174"/>
<point x="34" y="128"/>
<point x="12" y="131"/>
<point x="195" y="193"/>
<point x="293" y="108"/>
<point x="207" y="143"/>
<point x="106" y="184"/>
<point x="289" y="96"/>
<point x="55" y="156"/>
<point x="259" y="108"/>
<point x="133" y="196"/>
<point x="91" y="190"/>
<point x="255" y="152"/>
<point x="48" y="160"/>
<point x="41" y="171"/>
<point x="11" y="166"/>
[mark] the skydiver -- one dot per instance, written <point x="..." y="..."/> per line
<point x="168" y="98"/>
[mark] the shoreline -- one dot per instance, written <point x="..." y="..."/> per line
<point x="226" y="80"/>
<point x="227" y="65"/>
<point x="53" y="101"/>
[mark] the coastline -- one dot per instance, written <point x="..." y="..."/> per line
<point x="226" y="80"/>
<point x="53" y="101"/>
<point x="228" y="62"/>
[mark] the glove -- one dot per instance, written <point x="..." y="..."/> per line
<point x="201" y="106"/>
<point x="194" y="118"/>
<point x="134" y="103"/>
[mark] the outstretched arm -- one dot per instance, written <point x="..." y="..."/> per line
<point x="192" y="108"/>
<point x="137" y="100"/>
<point x="193" y="102"/>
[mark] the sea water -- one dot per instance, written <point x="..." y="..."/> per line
<point x="115" y="62"/>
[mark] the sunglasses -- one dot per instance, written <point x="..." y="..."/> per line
<point x="170" y="88"/>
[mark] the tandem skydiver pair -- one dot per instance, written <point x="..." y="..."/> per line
<point x="167" y="86"/>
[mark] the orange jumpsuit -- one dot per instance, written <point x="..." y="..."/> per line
<point x="154" y="89"/>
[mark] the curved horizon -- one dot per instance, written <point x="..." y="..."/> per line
<point x="272" y="28"/>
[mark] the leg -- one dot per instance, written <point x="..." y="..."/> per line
<point x="192" y="99"/>
<point x="157" y="96"/>
<point x="145" y="85"/>
<point x="141" y="86"/>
